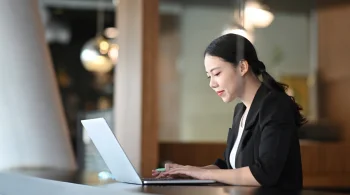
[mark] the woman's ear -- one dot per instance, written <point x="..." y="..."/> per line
<point x="243" y="67"/>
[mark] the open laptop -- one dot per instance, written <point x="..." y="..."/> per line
<point x="116" y="159"/>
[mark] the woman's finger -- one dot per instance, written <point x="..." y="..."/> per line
<point x="169" y="166"/>
<point x="155" y="173"/>
<point x="161" y="175"/>
<point x="174" y="171"/>
<point x="175" y="174"/>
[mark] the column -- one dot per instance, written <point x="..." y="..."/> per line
<point x="136" y="125"/>
<point x="333" y="68"/>
<point x="33" y="130"/>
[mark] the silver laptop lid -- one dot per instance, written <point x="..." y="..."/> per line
<point x="111" y="151"/>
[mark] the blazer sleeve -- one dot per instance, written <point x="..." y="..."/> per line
<point x="220" y="162"/>
<point x="277" y="124"/>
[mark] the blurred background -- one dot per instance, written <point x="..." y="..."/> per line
<point x="139" y="64"/>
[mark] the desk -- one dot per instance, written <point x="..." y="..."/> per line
<point x="15" y="184"/>
<point x="215" y="190"/>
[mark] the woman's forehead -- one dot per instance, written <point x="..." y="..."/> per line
<point x="212" y="62"/>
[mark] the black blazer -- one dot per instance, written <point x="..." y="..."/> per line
<point x="269" y="145"/>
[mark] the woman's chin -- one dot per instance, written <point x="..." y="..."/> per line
<point x="227" y="99"/>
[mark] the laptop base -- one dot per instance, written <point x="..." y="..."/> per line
<point x="152" y="181"/>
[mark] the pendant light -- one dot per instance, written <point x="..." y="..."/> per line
<point x="247" y="16"/>
<point x="237" y="25"/>
<point x="257" y="14"/>
<point x="100" y="54"/>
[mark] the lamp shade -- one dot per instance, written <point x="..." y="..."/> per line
<point x="100" y="54"/>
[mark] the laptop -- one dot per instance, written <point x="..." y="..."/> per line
<point x="116" y="159"/>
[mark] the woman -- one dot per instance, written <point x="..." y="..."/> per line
<point x="262" y="145"/>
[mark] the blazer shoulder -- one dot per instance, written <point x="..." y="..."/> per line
<point x="276" y="100"/>
<point x="277" y="105"/>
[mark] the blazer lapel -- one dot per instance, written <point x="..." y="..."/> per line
<point x="233" y="134"/>
<point x="255" y="107"/>
<point x="250" y="120"/>
<point x="238" y="161"/>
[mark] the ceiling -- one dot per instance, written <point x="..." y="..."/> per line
<point x="274" y="5"/>
<point x="291" y="6"/>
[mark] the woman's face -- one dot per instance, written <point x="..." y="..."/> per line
<point x="225" y="79"/>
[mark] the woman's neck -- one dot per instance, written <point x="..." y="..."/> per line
<point x="250" y="89"/>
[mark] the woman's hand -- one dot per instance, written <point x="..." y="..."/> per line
<point x="189" y="171"/>
<point x="168" y="166"/>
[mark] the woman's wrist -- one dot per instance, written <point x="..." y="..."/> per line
<point x="209" y="174"/>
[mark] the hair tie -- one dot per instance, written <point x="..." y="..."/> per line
<point x="262" y="70"/>
<point x="262" y="67"/>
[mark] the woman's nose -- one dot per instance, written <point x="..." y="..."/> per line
<point x="213" y="83"/>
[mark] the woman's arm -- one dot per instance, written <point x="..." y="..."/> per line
<point x="240" y="176"/>
<point x="210" y="167"/>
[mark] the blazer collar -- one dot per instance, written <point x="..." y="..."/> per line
<point x="256" y="104"/>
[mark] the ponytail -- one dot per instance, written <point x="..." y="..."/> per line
<point x="271" y="83"/>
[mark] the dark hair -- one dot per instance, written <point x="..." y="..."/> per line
<point x="233" y="48"/>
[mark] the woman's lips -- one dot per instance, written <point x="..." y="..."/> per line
<point x="220" y="92"/>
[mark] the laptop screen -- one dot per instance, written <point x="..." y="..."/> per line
<point x="111" y="151"/>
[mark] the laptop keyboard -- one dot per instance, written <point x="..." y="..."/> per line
<point x="167" y="178"/>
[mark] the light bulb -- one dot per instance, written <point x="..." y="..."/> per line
<point x="95" y="56"/>
<point x="256" y="15"/>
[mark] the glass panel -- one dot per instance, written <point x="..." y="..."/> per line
<point x="190" y="110"/>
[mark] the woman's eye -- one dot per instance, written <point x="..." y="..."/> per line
<point x="216" y="74"/>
